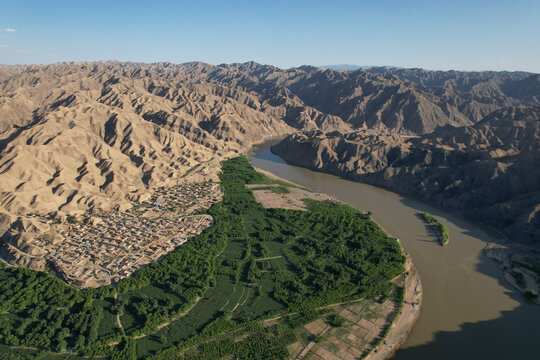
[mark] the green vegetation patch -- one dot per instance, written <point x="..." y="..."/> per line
<point x="439" y="228"/>
<point x="531" y="294"/>
<point x="208" y="297"/>
<point x="336" y="320"/>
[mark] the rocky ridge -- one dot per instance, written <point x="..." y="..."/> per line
<point x="97" y="136"/>
<point x="488" y="171"/>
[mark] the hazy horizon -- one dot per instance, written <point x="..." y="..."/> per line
<point x="461" y="35"/>
<point x="322" y="67"/>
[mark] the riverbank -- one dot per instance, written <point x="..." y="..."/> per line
<point x="462" y="285"/>
<point x="404" y="321"/>
<point x="518" y="268"/>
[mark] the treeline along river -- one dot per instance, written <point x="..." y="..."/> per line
<point x="468" y="310"/>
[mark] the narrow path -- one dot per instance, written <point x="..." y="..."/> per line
<point x="118" y="315"/>
<point x="269" y="258"/>
<point x="241" y="296"/>
<point x="309" y="346"/>
<point x="232" y="294"/>
<point x="305" y="351"/>
<point x="223" y="307"/>
<point x="118" y="320"/>
<point x="6" y="263"/>
<point x="11" y="246"/>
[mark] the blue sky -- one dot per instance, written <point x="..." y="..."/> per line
<point x="438" y="35"/>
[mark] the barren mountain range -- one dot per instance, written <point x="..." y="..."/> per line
<point x="97" y="135"/>
<point x="488" y="171"/>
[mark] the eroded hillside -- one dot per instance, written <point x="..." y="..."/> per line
<point x="488" y="171"/>
<point x="97" y="136"/>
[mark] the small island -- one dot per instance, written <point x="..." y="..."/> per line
<point x="438" y="227"/>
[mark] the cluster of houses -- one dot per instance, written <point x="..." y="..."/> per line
<point x="182" y="199"/>
<point x="105" y="249"/>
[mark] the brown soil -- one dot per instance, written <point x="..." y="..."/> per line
<point x="365" y="320"/>
<point x="292" y="200"/>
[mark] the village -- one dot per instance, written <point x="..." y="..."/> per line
<point x="104" y="248"/>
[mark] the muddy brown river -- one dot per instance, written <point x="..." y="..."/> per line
<point x="468" y="311"/>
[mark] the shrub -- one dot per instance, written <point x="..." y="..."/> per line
<point x="318" y="338"/>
